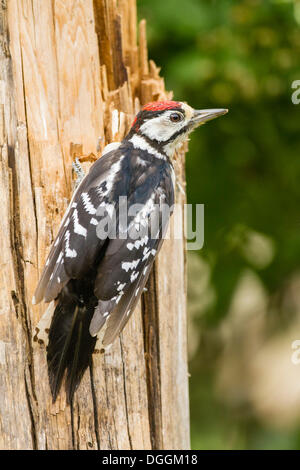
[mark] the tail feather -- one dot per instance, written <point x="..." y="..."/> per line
<point x="74" y="371"/>
<point x="70" y="345"/>
<point x="82" y="347"/>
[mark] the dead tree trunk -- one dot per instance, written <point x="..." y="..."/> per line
<point x="71" y="79"/>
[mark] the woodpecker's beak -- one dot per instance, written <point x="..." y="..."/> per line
<point x="201" y="116"/>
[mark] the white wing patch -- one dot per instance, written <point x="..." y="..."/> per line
<point x="87" y="203"/>
<point x="133" y="276"/>
<point x="78" y="228"/>
<point x="130" y="265"/>
<point x="138" y="243"/>
<point x="69" y="253"/>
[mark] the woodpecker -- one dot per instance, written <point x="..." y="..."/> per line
<point x="95" y="277"/>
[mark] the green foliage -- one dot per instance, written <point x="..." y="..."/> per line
<point x="244" y="167"/>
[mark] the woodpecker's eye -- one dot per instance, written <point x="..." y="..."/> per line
<point x="176" y="117"/>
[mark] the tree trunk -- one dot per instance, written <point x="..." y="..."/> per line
<point x="71" y="79"/>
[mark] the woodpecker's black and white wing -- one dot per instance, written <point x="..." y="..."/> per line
<point x="77" y="246"/>
<point x="127" y="263"/>
<point x="118" y="266"/>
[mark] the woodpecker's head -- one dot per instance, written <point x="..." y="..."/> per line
<point x="167" y="124"/>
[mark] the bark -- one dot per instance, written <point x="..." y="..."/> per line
<point x="72" y="76"/>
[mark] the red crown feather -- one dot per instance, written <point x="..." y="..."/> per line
<point x="158" y="106"/>
<point x="161" y="105"/>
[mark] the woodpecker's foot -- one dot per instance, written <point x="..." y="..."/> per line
<point x="79" y="172"/>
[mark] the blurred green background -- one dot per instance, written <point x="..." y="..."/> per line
<point x="244" y="285"/>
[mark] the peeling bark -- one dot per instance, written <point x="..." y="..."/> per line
<point x="65" y="66"/>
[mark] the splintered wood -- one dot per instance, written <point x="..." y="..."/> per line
<point x="72" y="77"/>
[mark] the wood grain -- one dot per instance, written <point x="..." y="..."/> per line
<point x="65" y="68"/>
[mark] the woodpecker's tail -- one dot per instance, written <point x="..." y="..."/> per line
<point x="70" y="344"/>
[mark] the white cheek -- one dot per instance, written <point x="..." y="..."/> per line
<point x="161" y="128"/>
<point x="157" y="129"/>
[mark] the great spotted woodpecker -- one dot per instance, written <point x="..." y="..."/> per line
<point x="95" y="281"/>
